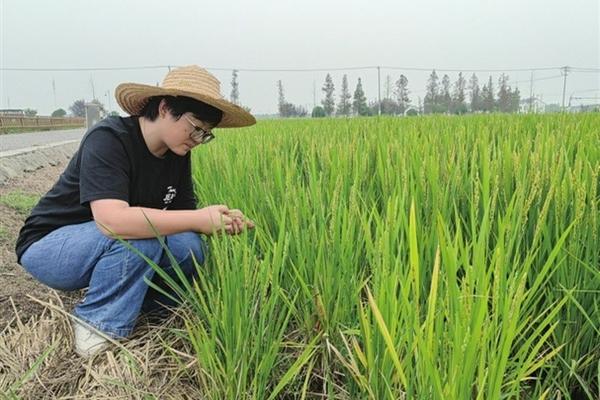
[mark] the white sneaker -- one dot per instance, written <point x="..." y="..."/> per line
<point x="88" y="341"/>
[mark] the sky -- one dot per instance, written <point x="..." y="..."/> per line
<point x="291" y="35"/>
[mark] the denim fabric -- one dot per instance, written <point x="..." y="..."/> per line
<point x="78" y="256"/>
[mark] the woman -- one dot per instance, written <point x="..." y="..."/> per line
<point x="127" y="174"/>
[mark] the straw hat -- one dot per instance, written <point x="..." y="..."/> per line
<point x="191" y="81"/>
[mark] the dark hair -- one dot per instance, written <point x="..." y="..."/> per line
<point x="179" y="105"/>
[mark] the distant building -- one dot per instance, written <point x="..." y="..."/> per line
<point x="531" y="105"/>
<point x="553" y="108"/>
<point x="584" y="108"/>
<point x="7" y="112"/>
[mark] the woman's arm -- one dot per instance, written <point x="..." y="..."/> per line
<point x="117" y="218"/>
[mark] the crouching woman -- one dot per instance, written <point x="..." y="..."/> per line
<point x="127" y="174"/>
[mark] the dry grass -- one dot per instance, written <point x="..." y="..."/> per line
<point x="37" y="362"/>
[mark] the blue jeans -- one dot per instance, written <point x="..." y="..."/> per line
<point x="78" y="256"/>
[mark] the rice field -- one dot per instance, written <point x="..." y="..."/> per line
<point x="402" y="258"/>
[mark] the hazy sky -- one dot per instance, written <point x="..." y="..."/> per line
<point x="465" y="34"/>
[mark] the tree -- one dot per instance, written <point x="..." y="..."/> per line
<point x="388" y="87"/>
<point x="445" y="97"/>
<point x="474" y="93"/>
<point x="485" y="94"/>
<point x="458" y="96"/>
<point x="298" y="111"/>
<point x="78" y="108"/>
<point x="487" y="97"/>
<point x="388" y="107"/>
<point x="401" y="92"/>
<point x="58" y="113"/>
<point x="359" y="103"/>
<point x="291" y="110"/>
<point x="281" y="99"/>
<point x="328" y="102"/>
<point x="235" y="92"/>
<point x="431" y="96"/>
<point x="515" y="100"/>
<point x="344" y="106"/>
<point x="288" y="109"/>
<point x="504" y="94"/>
<point x="318" y="112"/>
<point x="30" y="112"/>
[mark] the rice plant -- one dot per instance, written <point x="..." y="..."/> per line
<point x="437" y="258"/>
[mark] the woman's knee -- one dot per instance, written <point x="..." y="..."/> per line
<point x="64" y="258"/>
<point x="144" y="248"/>
<point x="184" y="245"/>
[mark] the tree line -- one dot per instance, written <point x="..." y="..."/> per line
<point x="441" y="97"/>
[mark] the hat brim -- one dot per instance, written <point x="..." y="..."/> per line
<point x="132" y="97"/>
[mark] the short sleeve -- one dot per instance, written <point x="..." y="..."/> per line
<point x="105" y="168"/>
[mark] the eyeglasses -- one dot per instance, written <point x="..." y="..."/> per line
<point x="199" y="134"/>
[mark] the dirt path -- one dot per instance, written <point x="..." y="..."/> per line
<point x="15" y="282"/>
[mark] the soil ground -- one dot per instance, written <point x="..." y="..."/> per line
<point x="16" y="283"/>
<point x="37" y="360"/>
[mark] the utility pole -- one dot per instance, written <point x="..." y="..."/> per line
<point x="54" y="91"/>
<point x="314" y="94"/>
<point x="108" y="98"/>
<point x="531" y="93"/>
<point x="570" y="99"/>
<point x="379" y="90"/>
<point x="565" y="71"/>
<point x="93" y="89"/>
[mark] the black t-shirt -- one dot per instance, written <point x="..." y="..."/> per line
<point x="113" y="162"/>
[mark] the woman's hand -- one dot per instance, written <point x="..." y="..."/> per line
<point x="214" y="219"/>
<point x="238" y="222"/>
<point x="220" y="219"/>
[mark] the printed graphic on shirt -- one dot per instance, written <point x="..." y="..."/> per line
<point x="169" y="196"/>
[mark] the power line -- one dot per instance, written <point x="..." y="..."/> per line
<point x="536" y="79"/>
<point x="586" y="71"/>
<point x="171" y="66"/>
<point x="587" y="90"/>
<point x="423" y="69"/>
<point x="580" y="69"/>
<point x="473" y="69"/>
<point x="293" y="69"/>
<point x="564" y="70"/>
<point x="83" y="69"/>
